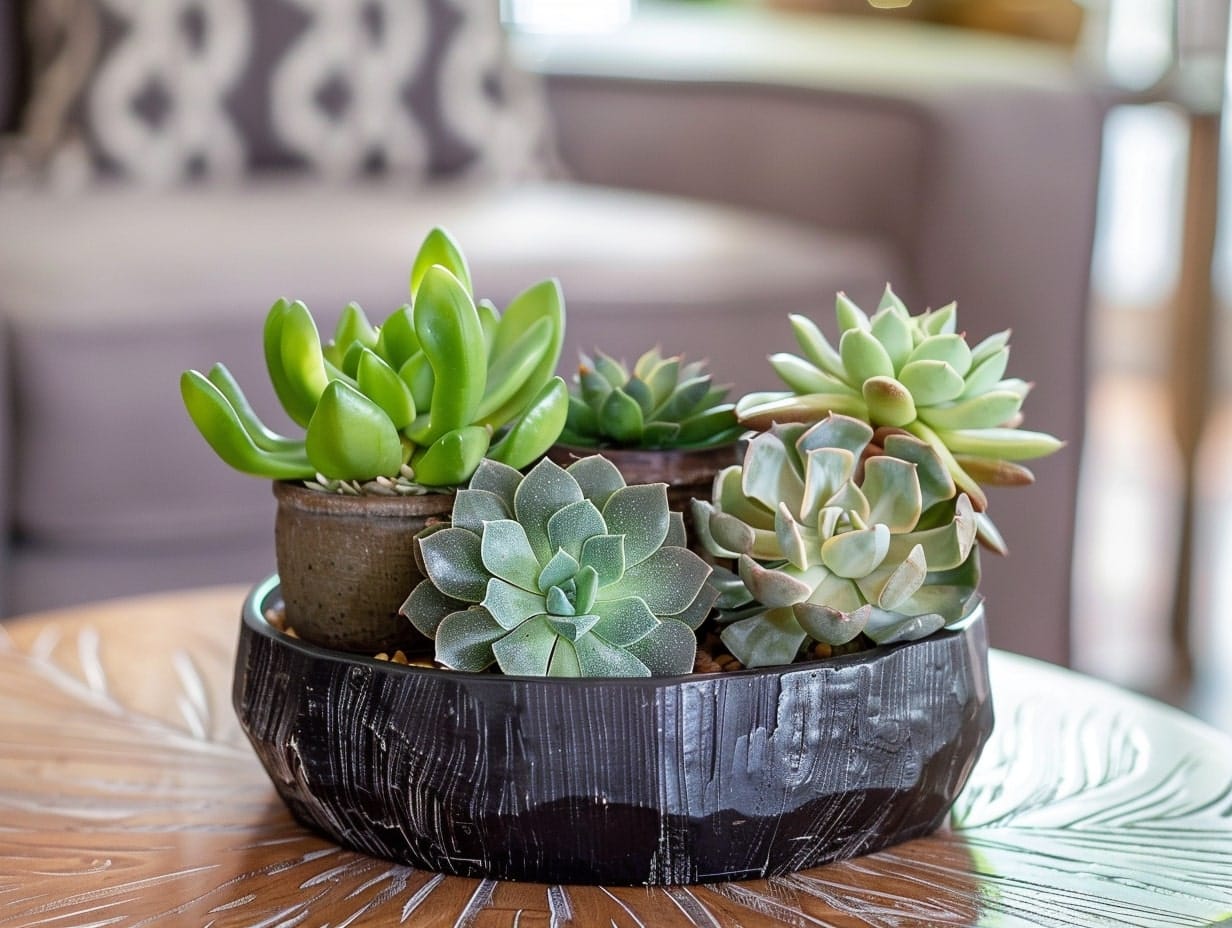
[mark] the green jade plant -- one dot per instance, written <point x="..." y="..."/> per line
<point x="563" y="572"/>
<point x="415" y="403"/>
<point x="834" y="542"/>
<point x="663" y="403"/>
<point x="918" y="374"/>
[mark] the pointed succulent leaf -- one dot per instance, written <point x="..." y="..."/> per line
<point x="581" y="420"/>
<point x="989" y="346"/>
<point x="451" y="459"/>
<point x="639" y="391"/>
<point x="543" y="300"/>
<point x="978" y="412"/>
<point x="836" y="431"/>
<point x="381" y="383"/>
<point x="935" y="481"/>
<point x="676" y="535"/>
<point x="597" y="477"/>
<point x="857" y="553"/>
<point x="893" y="492"/>
<point x="507" y="554"/>
<point x="891" y="301"/>
<point x="1009" y="444"/>
<point x="904" y="580"/>
<point x="945" y="546"/>
<point x="730" y="589"/>
<point x="764" y="640"/>
<point x="597" y="658"/>
<point x="560" y="569"/>
<point x="950" y="348"/>
<point x="464" y="640"/>
<point x="559" y="604"/>
<point x="817" y="347"/>
<point x="733" y="535"/>
<point x="546" y="489"/>
<point x="439" y="248"/>
<point x="891" y="327"/>
<point x="572" y="627"/>
<point x="452" y="558"/>
<point x="427" y="607"/>
<point x="668" y="650"/>
<point x="987" y="373"/>
<point x="350" y="437"/>
<point x="792" y="538"/>
<point x="624" y="621"/>
<point x="606" y="554"/>
<point x="702" y="512"/>
<point x="593" y="385"/>
<point x="838" y="593"/>
<point x="472" y="508"/>
<point x="539" y="425"/>
<point x="864" y="356"/>
<point x="829" y="625"/>
<point x="622" y="417"/>
<point x="527" y="650"/>
<point x="768" y="476"/>
<point x="585" y="589"/>
<point x="728" y="495"/>
<point x="396" y="340"/>
<point x="611" y="370"/>
<point x="762" y="410"/>
<point x="669" y="581"/>
<point x="662" y="381"/>
<point x="497" y="478"/>
<point x="805" y="377"/>
<point x="886" y="627"/>
<point x="640" y="514"/>
<point x="772" y="588"/>
<point x="931" y="382"/>
<point x="697" y="611"/>
<point x="647" y="362"/>
<point x="888" y="402"/>
<point x="511" y="605"/>
<point x="993" y="472"/>
<point x="947" y="603"/>
<point x="564" y="661"/>
<point x="850" y="317"/>
<point x="569" y="527"/>
<point x="988" y="535"/>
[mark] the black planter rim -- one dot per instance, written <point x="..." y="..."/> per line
<point x="266" y="593"/>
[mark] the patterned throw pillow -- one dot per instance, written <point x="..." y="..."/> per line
<point x="166" y="91"/>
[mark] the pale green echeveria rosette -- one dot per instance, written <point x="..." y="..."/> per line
<point x="662" y="403"/>
<point x="563" y="573"/>
<point x="915" y="373"/>
<point x="833" y="542"/>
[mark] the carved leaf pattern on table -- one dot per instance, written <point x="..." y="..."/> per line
<point x="129" y="797"/>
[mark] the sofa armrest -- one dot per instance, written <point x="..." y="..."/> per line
<point x="976" y="156"/>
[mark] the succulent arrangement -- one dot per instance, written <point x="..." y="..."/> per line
<point x="563" y="572"/>
<point x="915" y="373"/>
<point x="662" y="403"/>
<point x="834" y="542"/>
<point x="415" y="403"/>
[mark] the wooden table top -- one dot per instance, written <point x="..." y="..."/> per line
<point x="129" y="796"/>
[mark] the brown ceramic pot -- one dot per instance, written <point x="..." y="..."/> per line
<point x="346" y="563"/>
<point x="688" y="474"/>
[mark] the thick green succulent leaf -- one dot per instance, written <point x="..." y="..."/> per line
<point x="669" y="581"/>
<point x="622" y="621"/>
<point x="731" y="534"/>
<point x="702" y="512"/>
<point x="941" y="321"/>
<point x="827" y="470"/>
<point x="440" y="248"/>
<point x="452" y="459"/>
<point x="489" y="321"/>
<point x="864" y="356"/>
<point x="511" y="605"/>
<point x="728" y="494"/>
<point x="676" y="535"/>
<point x="544" y="491"/>
<point x="798" y="544"/>
<point x="597" y="658"/>
<point x="353" y="327"/>
<point x="836" y="431"/>
<point x="1010" y="444"/>
<point x="559" y="570"/>
<point x="569" y="527"/>
<point x="622" y="418"/>
<point x="572" y="627"/>
<point x="987" y="410"/>
<point x="714" y="421"/>
<point x="497" y="478"/>
<point x="647" y="362"/>
<point x="582" y="421"/>
<point x="986" y="374"/>
<point x="767" y="639"/>
<point x="639" y="392"/>
<point x="381" y="383"/>
<point x="896" y="580"/>
<point x="949" y="603"/>
<point x="890" y="326"/>
<point x="669" y="650"/>
<point x="447" y="325"/>
<point x="886" y="627"/>
<point x="593" y="385"/>
<point x="597" y="477"/>
<point x="934" y="479"/>
<point x="951" y="349"/>
<point x="989" y="535"/>
<point x="697" y="611"/>
<point x="464" y="640"/>
<point x="662" y="380"/>
<point x="297" y="406"/>
<point x="416" y="373"/>
<point x="893" y="493"/>
<point x="559" y="604"/>
<point x="805" y="377"/>
<point x="685" y="399"/>
<point x="302" y="361"/>
<point x="427" y="607"/>
<point x="544" y="300"/>
<point x="731" y="593"/>
<point x="527" y="650"/>
<point x="773" y="588"/>
<point x="838" y="593"/>
<point x="264" y="438"/>
<point x="585" y="589"/>
<point x="606" y="554"/>
<point x="817" y="347"/>
<point x="453" y="561"/>
<point x="472" y="508"/>
<point x="989" y="346"/>
<point x="888" y="402"/>
<point x="931" y="382"/>
<point x="858" y="553"/>
<point x="829" y="625"/>
<point x="891" y="301"/>
<point x="538" y="428"/>
<point x="769" y="476"/>
<point x="507" y="554"/>
<point x="946" y="546"/>
<point x="611" y="370"/>
<point x="397" y="341"/>
<point x="850" y="317"/>
<point x="510" y="369"/>
<point x="564" y="661"/>
<point x="762" y="410"/>
<point x="641" y="515"/>
<point x="350" y="437"/>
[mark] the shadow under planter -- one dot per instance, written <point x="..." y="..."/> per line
<point x="620" y="781"/>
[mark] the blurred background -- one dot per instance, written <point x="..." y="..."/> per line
<point x="1052" y="165"/>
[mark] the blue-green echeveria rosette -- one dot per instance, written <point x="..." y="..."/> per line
<point x="837" y="537"/>
<point x="563" y="572"/>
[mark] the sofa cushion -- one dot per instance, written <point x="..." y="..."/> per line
<point x="168" y="91"/>
<point x="108" y="297"/>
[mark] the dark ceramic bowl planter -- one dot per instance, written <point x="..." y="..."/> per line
<point x="347" y="562"/>
<point x="621" y="781"/>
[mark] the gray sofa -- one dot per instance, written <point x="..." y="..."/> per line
<point x="763" y="164"/>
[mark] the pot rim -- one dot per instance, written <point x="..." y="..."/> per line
<point x="263" y="592"/>
<point x="295" y="494"/>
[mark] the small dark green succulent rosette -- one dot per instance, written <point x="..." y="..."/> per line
<point x="840" y="539"/>
<point x="565" y="572"/>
